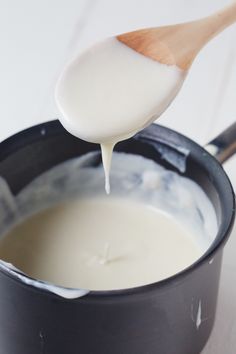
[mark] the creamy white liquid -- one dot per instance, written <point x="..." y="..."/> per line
<point x="110" y="92"/>
<point x="154" y="224"/>
<point x="100" y="244"/>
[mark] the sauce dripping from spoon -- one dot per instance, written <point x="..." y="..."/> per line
<point x="110" y="92"/>
<point x="121" y="85"/>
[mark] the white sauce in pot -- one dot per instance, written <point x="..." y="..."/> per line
<point x="155" y="224"/>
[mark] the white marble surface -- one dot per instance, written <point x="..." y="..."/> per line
<point x="37" y="37"/>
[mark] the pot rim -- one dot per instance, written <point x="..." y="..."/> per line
<point x="53" y="127"/>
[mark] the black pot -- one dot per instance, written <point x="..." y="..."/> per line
<point x="173" y="316"/>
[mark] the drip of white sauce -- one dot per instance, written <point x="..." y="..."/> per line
<point x="110" y="92"/>
<point x="199" y="315"/>
<point x="107" y="149"/>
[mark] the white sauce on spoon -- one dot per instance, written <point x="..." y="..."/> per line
<point x="110" y="92"/>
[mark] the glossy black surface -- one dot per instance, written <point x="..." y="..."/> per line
<point x="161" y="318"/>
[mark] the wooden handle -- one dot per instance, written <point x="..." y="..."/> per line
<point x="210" y="26"/>
<point x="197" y="33"/>
<point x="223" y="18"/>
<point x="179" y="44"/>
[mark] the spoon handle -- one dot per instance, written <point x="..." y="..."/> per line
<point x="216" y="23"/>
<point x="191" y="37"/>
<point x="179" y="44"/>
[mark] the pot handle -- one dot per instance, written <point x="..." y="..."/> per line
<point x="224" y="145"/>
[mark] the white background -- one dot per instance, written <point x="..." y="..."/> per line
<point x="38" y="37"/>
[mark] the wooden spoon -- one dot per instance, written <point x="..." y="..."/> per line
<point x="179" y="44"/>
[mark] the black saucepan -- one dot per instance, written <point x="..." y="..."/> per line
<point x="161" y="318"/>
